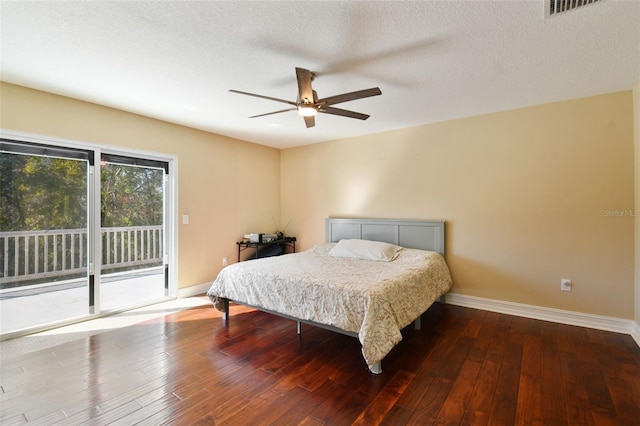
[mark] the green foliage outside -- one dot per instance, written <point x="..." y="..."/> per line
<point x="131" y="196"/>
<point x="41" y="193"/>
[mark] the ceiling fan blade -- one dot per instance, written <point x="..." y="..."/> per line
<point x="351" y="96"/>
<point x="305" y="91"/>
<point x="274" y="112"/>
<point x="309" y="121"/>
<point x="344" y="113"/>
<point x="263" y="97"/>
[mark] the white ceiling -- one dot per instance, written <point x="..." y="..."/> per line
<point x="433" y="60"/>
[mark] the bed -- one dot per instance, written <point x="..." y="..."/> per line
<point x="370" y="298"/>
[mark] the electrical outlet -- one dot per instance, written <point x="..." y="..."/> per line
<point x="225" y="261"/>
<point x="565" y="284"/>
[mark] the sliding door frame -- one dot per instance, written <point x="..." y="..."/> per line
<point x="94" y="221"/>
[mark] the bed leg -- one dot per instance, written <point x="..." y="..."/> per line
<point x="299" y="327"/>
<point x="417" y="324"/>
<point x="225" y="309"/>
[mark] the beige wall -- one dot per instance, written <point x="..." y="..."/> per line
<point x="636" y="138"/>
<point x="223" y="199"/>
<point x="525" y="194"/>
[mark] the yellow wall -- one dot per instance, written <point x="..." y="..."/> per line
<point x="527" y="194"/>
<point x="214" y="187"/>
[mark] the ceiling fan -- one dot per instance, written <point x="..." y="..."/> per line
<point x="308" y="103"/>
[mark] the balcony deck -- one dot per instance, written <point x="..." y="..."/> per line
<point x="22" y="308"/>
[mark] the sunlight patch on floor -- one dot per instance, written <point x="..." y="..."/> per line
<point x="37" y="341"/>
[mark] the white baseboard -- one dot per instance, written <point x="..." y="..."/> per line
<point x="193" y="290"/>
<point x="598" y="322"/>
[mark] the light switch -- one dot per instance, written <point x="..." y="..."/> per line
<point x="185" y="219"/>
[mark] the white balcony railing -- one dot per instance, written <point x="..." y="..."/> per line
<point x="37" y="255"/>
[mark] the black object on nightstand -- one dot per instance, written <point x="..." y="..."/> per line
<point x="272" y="248"/>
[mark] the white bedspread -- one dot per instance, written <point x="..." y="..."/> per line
<point x="373" y="299"/>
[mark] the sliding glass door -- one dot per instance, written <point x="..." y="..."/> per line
<point x="133" y="231"/>
<point x="80" y="237"/>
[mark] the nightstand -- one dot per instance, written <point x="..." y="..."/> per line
<point x="279" y="247"/>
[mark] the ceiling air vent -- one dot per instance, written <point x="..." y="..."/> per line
<point x="555" y="7"/>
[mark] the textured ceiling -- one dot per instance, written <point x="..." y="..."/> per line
<point x="433" y="60"/>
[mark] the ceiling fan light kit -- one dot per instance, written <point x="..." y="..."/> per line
<point x="307" y="111"/>
<point x="308" y="104"/>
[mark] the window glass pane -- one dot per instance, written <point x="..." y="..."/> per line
<point x="43" y="240"/>
<point x="132" y="228"/>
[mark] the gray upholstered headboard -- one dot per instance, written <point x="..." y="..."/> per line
<point x="424" y="235"/>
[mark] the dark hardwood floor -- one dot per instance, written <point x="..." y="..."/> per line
<point x="465" y="366"/>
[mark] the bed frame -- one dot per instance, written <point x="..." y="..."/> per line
<point x="423" y="235"/>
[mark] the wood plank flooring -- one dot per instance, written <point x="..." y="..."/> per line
<point x="465" y="366"/>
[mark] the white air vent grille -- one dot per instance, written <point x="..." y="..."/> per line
<point x="555" y="7"/>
